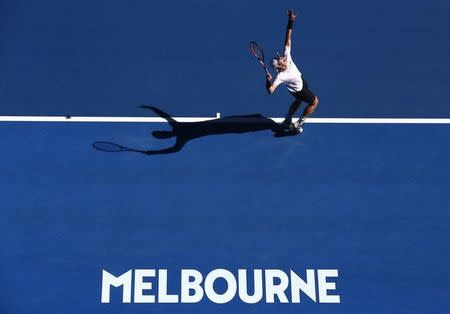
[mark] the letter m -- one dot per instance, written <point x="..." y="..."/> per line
<point x="109" y="280"/>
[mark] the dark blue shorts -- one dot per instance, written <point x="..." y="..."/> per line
<point x="305" y="94"/>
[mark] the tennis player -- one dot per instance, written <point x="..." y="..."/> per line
<point x="291" y="77"/>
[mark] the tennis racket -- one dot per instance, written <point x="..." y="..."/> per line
<point x="113" y="147"/>
<point x="258" y="54"/>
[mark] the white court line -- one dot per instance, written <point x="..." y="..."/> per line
<point x="198" y="119"/>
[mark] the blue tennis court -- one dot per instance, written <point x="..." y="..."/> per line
<point x="369" y="200"/>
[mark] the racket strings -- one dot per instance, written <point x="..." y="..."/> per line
<point x="257" y="51"/>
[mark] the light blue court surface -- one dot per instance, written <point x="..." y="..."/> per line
<point x="369" y="200"/>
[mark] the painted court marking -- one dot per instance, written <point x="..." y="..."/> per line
<point x="198" y="119"/>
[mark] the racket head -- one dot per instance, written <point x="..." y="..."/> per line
<point x="256" y="51"/>
<point x="109" y="147"/>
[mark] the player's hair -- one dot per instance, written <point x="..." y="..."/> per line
<point x="275" y="60"/>
<point x="274" y="63"/>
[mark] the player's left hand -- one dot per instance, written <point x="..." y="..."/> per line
<point x="292" y="16"/>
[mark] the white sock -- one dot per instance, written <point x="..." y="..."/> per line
<point x="302" y="120"/>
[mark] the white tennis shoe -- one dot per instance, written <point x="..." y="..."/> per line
<point x="298" y="127"/>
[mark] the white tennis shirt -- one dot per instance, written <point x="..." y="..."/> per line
<point x="291" y="77"/>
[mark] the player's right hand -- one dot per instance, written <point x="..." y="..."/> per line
<point x="268" y="77"/>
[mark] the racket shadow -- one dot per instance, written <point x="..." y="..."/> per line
<point x="183" y="132"/>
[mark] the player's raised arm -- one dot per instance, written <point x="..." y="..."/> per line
<point x="291" y="19"/>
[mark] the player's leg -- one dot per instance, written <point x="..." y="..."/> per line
<point x="308" y="96"/>
<point x="287" y="123"/>
<point x="308" y="111"/>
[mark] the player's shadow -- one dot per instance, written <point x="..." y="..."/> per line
<point x="184" y="132"/>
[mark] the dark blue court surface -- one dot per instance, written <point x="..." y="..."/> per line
<point x="368" y="200"/>
<point x="92" y="57"/>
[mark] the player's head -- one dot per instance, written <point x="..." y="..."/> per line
<point x="163" y="134"/>
<point x="279" y="63"/>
